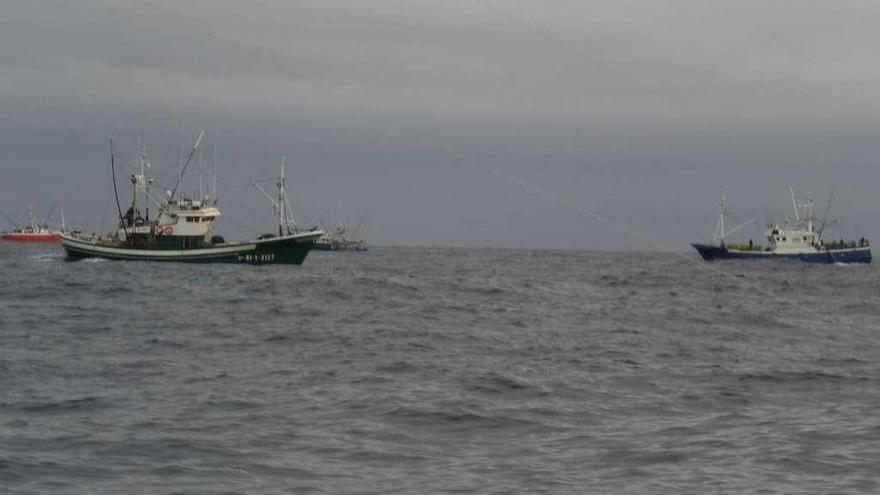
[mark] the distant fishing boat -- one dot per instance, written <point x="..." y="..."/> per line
<point x="798" y="240"/>
<point x="182" y="228"/>
<point x="337" y="240"/>
<point x="33" y="231"/>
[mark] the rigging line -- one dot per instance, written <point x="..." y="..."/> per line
<point x="151" y="196"/>
<point x="186" y="164"/>
<point x="116" y="192"/>
<point x="227" y="216"/>
<point x="534" y="29"/>
<point x="132" y="170"/>
<point x="236" y="199"/>
<point x="9" y="219"/>
<point x="49" y="215"/>
<point x="199" y="26"/>
<point x="624" y="229"/>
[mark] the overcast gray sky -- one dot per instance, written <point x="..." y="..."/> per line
<point x="398" y="111"/>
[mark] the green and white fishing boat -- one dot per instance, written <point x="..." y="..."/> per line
<point x="182" y="228"/>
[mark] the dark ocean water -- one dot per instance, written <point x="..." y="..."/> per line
<point x="438" y="371"/>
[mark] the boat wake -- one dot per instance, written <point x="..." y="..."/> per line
<point x="46" y="257"/>
<point x="850" y="265"/>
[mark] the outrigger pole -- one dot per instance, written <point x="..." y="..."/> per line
<point x="116" y="191"/>
<point x="188" y="159"/>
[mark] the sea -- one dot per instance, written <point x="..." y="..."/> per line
<point x="423" y="370"/>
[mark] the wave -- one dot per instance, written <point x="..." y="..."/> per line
<point x="796" y="376"/>
<point x="80" y="404"/>
<point x="497" y="383"/>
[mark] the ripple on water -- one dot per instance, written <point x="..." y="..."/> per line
<point x="404" y="370"/>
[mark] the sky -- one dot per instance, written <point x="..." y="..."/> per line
<point x="473" y="123"/>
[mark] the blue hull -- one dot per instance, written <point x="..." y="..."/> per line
<point x="849" y="255"/>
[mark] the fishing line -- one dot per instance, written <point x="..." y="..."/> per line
<point x="631" y="232"/>
<point x="584" y="57"/>
<point x="621" y="228"/>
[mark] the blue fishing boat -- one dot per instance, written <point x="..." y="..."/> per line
<point x="797" y="240"/>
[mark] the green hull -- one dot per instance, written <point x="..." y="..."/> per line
<point x="288" y="250"/>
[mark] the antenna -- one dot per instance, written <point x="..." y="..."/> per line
<point x="214" y="193"/>
<point x="794" y="203"/>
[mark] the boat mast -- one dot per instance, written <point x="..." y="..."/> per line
<point x="719" y="228"/>
<point x="283" y="209"/>
<point x="214" y="193"/>
<point x="201" y="176"/>
<point x="720" y="231"/>
<point x="809" y="214"/>
<point x="825" y="216"/>
<point x="145" y="166"/>
<point x="794" y="203"/>
<point x="286" y="213"/>
<point x="281" y="206"/>
<point x="286" y="202"/>
<point x="179" y="172"/>
<point x="135" y="181"/>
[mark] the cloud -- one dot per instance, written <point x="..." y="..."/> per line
<point x="619" y="100"/>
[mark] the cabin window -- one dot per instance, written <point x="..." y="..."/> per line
<point x="192" y="219"/>
<point x="784" y="239"/>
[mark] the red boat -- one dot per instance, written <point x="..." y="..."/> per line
<point x="33" y="232"/>
<point x="25" y="236"/>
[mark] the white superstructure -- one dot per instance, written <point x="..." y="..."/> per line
<point x="795" y="237"/>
